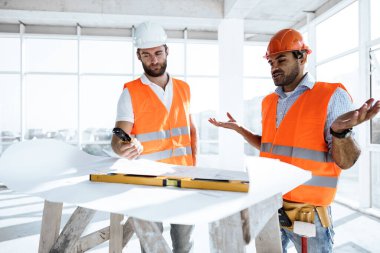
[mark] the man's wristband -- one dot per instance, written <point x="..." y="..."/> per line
<point x="345" y="134"/>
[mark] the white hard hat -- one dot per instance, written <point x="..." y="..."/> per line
<point x="148" y="35"/>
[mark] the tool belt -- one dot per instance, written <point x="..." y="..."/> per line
<point x="305" y="213"/>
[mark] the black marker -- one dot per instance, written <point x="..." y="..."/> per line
<point x="121" y="134"/>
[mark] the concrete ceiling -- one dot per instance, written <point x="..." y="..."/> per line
<point x="261" y="17"/>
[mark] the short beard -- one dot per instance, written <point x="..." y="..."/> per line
<point x="153" y="73"/>
<point x="289" y="79"/>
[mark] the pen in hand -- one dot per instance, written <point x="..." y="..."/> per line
<point x="129" y="147"/>
<point x="121" y="134"/>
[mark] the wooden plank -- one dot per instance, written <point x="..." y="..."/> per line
<point x="150" y="236"/>
<point x="73" y="230"/>
<point x="269" y="239"/>
<point x="51" y="223"/>
<point x="94" y="239"/>
<point x="127" y="231"/>
<point x="91" y="240"/>
<point x="116" y="233"/>
<point x="226" y="235"/>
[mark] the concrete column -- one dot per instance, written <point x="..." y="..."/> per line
<point x="231" y="42"/>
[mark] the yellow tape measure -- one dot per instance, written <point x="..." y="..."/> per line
<point x="181" y="182"/>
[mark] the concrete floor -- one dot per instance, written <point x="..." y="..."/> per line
<point x="20" y="221"/>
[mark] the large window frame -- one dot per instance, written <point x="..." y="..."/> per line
<point x="104" y="137"/>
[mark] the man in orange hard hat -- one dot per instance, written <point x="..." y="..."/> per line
<point x="154" y="109"/>
<point x="307" y="124"/>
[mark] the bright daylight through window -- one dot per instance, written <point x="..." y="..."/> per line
<point x="74" y="99"/>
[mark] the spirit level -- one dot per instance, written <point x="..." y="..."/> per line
<point x="181" y="182"/>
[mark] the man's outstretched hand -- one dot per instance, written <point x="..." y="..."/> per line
<point x="230" y="124"/>
<point x="252" y="138"/>
<point x="353" y="118"/>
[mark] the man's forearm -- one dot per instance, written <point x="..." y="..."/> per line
<point x="194" y="144"/>
<point x="193" y="139"/>
<point x="253" y="139"/>
<point x="345" y="152"/>
<point x="115" y="145"/>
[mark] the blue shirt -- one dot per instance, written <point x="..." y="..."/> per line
<point x="339" y="104"/>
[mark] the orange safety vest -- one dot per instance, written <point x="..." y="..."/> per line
<point x="299" y="140"/>
<point x="164" y="135"/>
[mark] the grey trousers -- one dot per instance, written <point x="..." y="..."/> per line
<point x="181" y="237"/>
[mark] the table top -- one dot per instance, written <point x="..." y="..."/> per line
<point x="59" y="172"/>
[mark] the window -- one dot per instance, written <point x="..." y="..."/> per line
<point x="202" y="64"/>
<point x="375" y="127"/>
<point x="255" y="89"/>
<point x="202" y="59"/>
<point x="338" y="33"/>
<point x="51" y="88"/>
<point x="10" y="111"/>
<point x="176" y="59"/>
<point x="375" y="92"/>
<point x="51" y="107"/>
<point x="50" y="55"/>
<point x="255" y="65"/>
<point x="375" y="19"/>
<point x="346" y="71"/>
<point x="105" y="56"/>
<point x="204" y="104"/>
<point x="343" y="70"/>
<point x="105" y="64"/>
<point x="257" y="84"/>
<point x="10" y="99"/>
<point x="10" y="54"/>
<point x="71" y="93"/>
<point x="375" y="176"/>
<point x="98" y="104"/>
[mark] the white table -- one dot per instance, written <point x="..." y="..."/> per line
<point x="59" y="173"/>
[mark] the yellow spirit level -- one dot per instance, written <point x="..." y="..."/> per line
<point x="181" y="182"/>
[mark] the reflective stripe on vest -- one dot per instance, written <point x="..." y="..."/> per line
<point x="160" y="155"/>
<point x="303" y="153"/>
<point x="164" y="134"/>
<point x="322" y="181"/>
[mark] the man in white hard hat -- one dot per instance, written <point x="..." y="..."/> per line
<point x="155" y="110"/>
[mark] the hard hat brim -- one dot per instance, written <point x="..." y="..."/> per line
<point x="308" y="51"/>
<point x="149" y="45"/>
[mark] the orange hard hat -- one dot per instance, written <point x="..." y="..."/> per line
<point x="286" y="40"/>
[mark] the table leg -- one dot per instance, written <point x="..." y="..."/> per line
<point x="150" y="236"/>
<point x="51" y="223"/>
<point x="116" y="233"/>
<point x="73" y="229"/>
<point x="127" y="231"/>
<point x="98" y="237"/>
